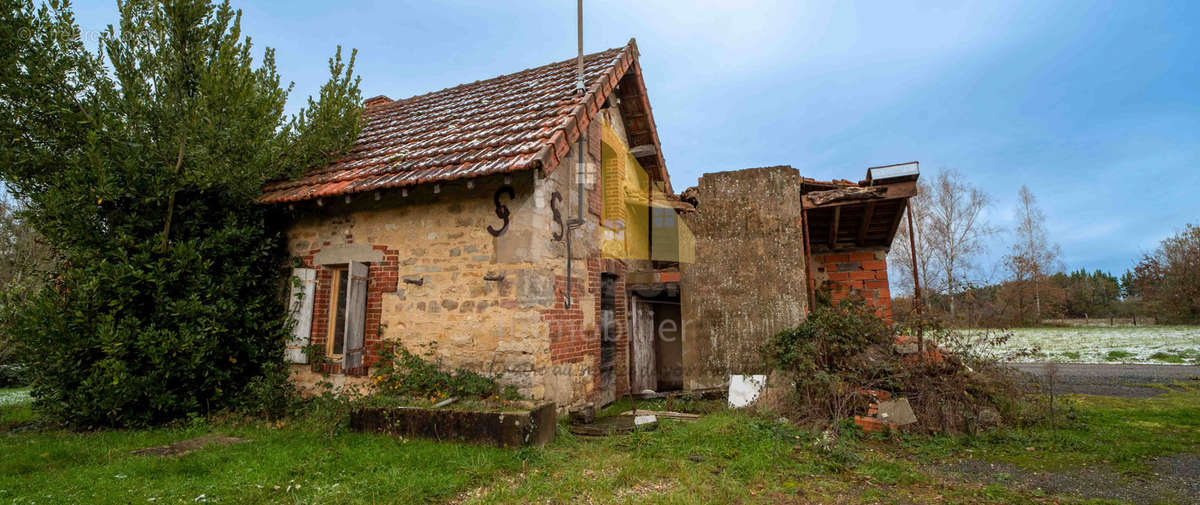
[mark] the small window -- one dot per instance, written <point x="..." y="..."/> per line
<point x="337" y="323"/>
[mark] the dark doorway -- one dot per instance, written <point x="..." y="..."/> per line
<point x="668" y="344"/>
<point x="608" y="338"/>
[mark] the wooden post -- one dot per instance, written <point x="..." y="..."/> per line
<point x="917" y="304"/>
<point x="812" y="302"/>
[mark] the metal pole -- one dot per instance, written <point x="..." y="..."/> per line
<point x="917" y="303"/>
<point x="812" y="293"/>
<point x="579" y="62"/>
<point x="579" y="146"/>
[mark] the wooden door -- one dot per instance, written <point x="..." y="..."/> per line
<point x="641" y="330"/>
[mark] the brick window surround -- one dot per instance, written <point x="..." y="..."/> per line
<point x="382" y="277"/>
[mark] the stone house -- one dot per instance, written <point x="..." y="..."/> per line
<point x="457" y="227"/>
<point x="446" y="229"/>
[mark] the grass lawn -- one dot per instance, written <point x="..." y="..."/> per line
<point x="726" y="457"/>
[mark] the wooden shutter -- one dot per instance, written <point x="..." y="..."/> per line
<point x="612" y="173"/>
<point x="356" y="315"/>
<point x="301" y="303"/>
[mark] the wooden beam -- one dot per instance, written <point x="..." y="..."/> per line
<point x="891" y="192"/>
<point x="833" y="227"/>
<point x="896" y="221"/>
<point x="868" y="213"/>
<point x="808" y="276"/>
<point x="643" y="150"/>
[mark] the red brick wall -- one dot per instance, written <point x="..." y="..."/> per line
<point x="862" y="273"/>
<point x="571" y="341"/>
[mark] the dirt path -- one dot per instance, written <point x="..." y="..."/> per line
<point x="1125" y="381"/>
<point x="1175" y="479"/>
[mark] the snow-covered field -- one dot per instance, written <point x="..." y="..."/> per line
<point x="13" y="396"/>
<point x="1118" y="344"/>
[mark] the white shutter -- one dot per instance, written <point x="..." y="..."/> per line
<point x="356" y="315"/>
<point x="301" y="303"/>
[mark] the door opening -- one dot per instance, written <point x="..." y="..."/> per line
<point x="608" y="338"/>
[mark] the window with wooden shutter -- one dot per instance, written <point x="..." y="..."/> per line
<point x="301" y="303"/>
<point x="356" y="315"/>
<point x="347" y="314"/>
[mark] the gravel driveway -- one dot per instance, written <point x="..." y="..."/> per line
<point x="1126" y="381"/>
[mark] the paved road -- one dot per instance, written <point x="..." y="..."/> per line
<point x="1130" y="381"/>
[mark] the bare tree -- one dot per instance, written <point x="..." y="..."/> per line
<point x="1033" y="256"/>
<point x="956" y="230"/>
<point x="900" y="255"/>
<point x="22" y="252"/>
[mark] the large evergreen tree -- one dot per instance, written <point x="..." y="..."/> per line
<point x="139" y="165"/>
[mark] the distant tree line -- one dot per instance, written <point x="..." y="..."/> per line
<point x="950" y="230"/>
<point x="1166" y="282"/>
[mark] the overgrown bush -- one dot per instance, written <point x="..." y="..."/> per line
<point x="14" y="375"/>
<point x="403" y="373"/>
<point x="841" y="352"/>
<point x="818" y="355"/>
<point x="139" y="166"/>
<point x="829" y="336"/>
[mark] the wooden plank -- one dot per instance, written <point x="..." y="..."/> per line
<point x="669" y="414"/>
<point x="833" y="227"/>
<point x="868" y="213"/>
<point x="643" y="150"/>
<point x="894" y="191"/>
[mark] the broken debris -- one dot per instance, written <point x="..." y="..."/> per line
<point x="745" y="389"/>
<point x="186" y="446"/>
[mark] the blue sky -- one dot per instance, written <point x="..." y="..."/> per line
<point x="1095" y="106"/>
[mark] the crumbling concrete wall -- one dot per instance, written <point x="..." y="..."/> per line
<point x="748" y="281"/>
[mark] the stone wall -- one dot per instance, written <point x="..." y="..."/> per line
<point x="441" y="283"/>
<point x="861" y="273"/>
<point x="748" y="281"/>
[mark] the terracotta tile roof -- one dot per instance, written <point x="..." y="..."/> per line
<point x="504" y="124"/>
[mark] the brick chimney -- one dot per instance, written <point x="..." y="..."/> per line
<point x="376" y="101"/>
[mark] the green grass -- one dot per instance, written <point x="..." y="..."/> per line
<point x="285" y="465"/>
<point x="1118" y="355"/>
<point x="1177" y="356"/>
<point x="15" y="406"/>
<point x="1088" y="430"/>
<point x="725" y="457"/>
